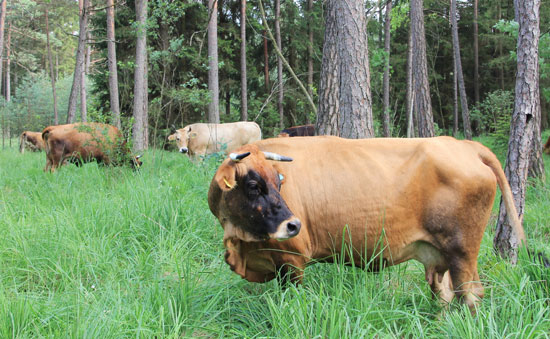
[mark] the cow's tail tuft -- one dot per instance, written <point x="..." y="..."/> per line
<point x="491" y="161"/>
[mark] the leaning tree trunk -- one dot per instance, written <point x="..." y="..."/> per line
<point x="309" y="53"/>
<point x="521" y="131"/>
<point x="460" y="76"/>
<point x="386" y="80"/>
<point x="79" y="65"/>
<point x="50" y="61"/>
<point x="455" y="98"/>
<point x="244" y="91"/>
<point x="345" y="106"/>
<point x="266" y="62"/>
<point x="111" y="62"/>
<point x="140" y="95"/>
<point x="422" y="102"/>
<point x="280" y="97"/>
<point x="213" y="83"/>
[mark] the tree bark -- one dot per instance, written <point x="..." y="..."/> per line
<point x="112" y="63"/>
<point x="83" y="97"/>
<point x="266" y="62"/>
<point x="280" y="91"/>
<point x="386" y="80"/>
<point x="79" y="65"/>
<point x="476" y="54"/>
<point x="421" y="89"/>
<point x="309" y="53"/>
<point x="139" y="131"/>
<point x="521" y="131"/>
<point x="244" y="91"/>
<point x="455" y="98"/>
<point x="8" y="73"/>
<point x="536" y="163"/>
<point x="460" y="76"/>
<point x="410" y="90"/>
<point x="213" y="82"/>
<point x="2" y="27"/>
<point x="345" y="106"/>
<point x="50" y="61"/>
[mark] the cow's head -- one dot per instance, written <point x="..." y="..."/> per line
<point x="182" y="137"/>
<point x="244" y="196"/>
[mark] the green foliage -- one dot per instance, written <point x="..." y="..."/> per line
<point x="109" y="253"/>
<point x="493" y="115"/>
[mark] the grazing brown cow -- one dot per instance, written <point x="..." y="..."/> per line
<point x="298" y="131"/>
<point x="32" y="141"/>
<point x="424" y="199"/>
<point x="84" y="142"/>
<point x="201" y="139"/>
<point x="547" y="146"/>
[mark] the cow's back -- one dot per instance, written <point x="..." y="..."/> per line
<point x="371" y="184"/>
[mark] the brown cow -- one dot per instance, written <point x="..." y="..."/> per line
<point x="84" y="142"/>
<point x="32" y="141"/>
<point x="401" y="199"/>
<point x="298" y="131"/>
<point x="547" y="146"/>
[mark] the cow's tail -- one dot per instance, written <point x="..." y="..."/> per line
<point x="22" y="140"/>
<point x="45" y="136"/>
<point x="491" y="160"/>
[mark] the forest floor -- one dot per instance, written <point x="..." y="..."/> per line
<point x="104" y="252"/>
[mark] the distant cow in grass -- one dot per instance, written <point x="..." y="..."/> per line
<point x="201" y="139"/>
<point x="298" y="131"/>
<point x="547" y="146"/>
<point x="84" y="142"/>
<point x="32" y="141"/>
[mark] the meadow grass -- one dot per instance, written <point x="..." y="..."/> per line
<point x="101" y="252"/>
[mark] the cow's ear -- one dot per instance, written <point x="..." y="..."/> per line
<point x="172" y="137"/>
<point x="225" y="177"/>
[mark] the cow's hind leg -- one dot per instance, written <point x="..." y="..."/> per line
<point x="465" y="280"/>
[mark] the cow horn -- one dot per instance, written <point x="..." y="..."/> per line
<point x="276" y="157"/>
<point x="238" y="157"/>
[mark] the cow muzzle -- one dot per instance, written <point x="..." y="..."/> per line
<point x="287" y="229"/>
<point x="184" y="150"/>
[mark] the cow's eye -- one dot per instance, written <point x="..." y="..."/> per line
<point x="177" y="138"/>
<point x="253" y="187"/>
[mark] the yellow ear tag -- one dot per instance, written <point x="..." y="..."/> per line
<point x="227" y="183"/>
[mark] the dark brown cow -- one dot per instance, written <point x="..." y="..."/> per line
<point x="298" y="131"/>
<point x="32" y="141"/>
<point x="84" y="142"/>
<point x="547" y="146"/>
<point x="424" y="199"/>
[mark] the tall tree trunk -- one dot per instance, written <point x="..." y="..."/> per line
<point x="309" y="53"/>
<point x="455" y="98"/>
<point x="476" y="54"/>
<point x="244" y="91"/>
<point x="79" y="65"/>
<point x="2" y="27"/>
<point x="280" y="97"/>
<point x="345" y="106"/>
<point x="386" y="80"/>
<point x="422" y="101"/>
<point x="88" y="50"/>
<point x="460" y="76"/>
<point x="266" y="62"/>
<point x="8" y="79"/>
<point x="112" y="63"/>
<point x="213" y="84"/>
<point x="139" y="130"/>
<point x="536" y="163"/>
<point x="523" y="118"/>
<point x="83" y="97"/>
<point x="410" y="90"/>
<point x="50" y="62"/>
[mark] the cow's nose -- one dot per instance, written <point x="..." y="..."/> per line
<point x="293" y="227"/>
<point x="183" y="150"/>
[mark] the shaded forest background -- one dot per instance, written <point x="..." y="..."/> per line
<point x="178" y="63"/>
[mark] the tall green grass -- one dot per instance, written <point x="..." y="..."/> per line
<point x="105" y="252"/>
